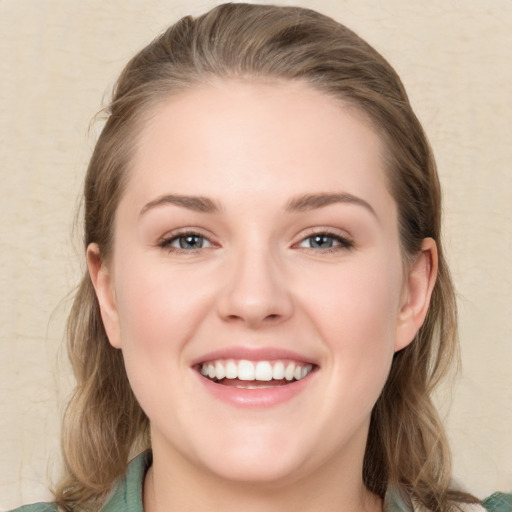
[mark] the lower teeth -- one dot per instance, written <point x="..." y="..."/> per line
<point x="254" y="387"/>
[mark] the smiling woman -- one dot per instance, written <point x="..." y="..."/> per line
<point x="267" y="308"/>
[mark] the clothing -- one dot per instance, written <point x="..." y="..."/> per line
<point x="127" y="495"/>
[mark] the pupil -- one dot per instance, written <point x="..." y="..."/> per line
<point x="321" y="241"/>
<point x="191" y="242"/>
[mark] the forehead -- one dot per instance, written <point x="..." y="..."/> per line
<point x="279" y="138"/>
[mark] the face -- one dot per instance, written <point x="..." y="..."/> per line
<point x="256" y="285"/>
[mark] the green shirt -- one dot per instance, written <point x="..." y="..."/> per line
<point x="127" y="494"/>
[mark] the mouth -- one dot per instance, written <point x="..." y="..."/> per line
<point x="246" y="374"/>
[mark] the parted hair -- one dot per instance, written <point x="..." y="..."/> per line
<point x="103" y="424"/>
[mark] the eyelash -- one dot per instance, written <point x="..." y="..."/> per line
<point x="165" y="242"/>
<point x="343" y="242"/>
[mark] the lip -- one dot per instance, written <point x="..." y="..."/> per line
<point x="254" y="398"/>
<point x="264" y="397"/>
<point x="254" y="354"/>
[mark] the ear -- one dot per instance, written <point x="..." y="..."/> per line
<point x="101" y="278"/>
<point x="421" y="278"/>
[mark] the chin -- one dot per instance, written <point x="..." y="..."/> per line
<point x="272" y="470"/>
<point x="248" y="453"/>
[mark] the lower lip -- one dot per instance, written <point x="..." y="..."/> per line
<point x="264" y="397"/>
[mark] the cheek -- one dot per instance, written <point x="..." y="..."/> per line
<point x="159" y="308"/>
<point x="158" y="316"/>
<point x="360" y="297"/>
<point x="356" y="311"/>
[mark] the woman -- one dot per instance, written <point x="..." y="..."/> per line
<point x="267" y="306"/>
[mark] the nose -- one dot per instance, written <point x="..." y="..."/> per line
<point x="256" y="292"/>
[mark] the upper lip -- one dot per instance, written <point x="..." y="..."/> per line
<point x="253" y="354"/>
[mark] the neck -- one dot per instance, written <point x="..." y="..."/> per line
<point x="330" y="489"/>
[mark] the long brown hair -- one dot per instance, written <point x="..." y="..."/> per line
<point x="104" y="424"/>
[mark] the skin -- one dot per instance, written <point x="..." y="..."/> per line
<point x="251" y="148"/>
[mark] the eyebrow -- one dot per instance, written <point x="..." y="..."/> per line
<point x="313" y="201"/>
<point x="297" y="204"/>
<point x="195" y="203"/>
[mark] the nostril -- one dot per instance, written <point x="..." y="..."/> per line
<point x="234" y="318"/>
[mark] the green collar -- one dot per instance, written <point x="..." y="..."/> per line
<point x="127" y="494"/>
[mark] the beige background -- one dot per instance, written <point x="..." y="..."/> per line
<point x="57" y="58"/>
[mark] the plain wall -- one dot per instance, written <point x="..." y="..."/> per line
<point x="57" y="59"/>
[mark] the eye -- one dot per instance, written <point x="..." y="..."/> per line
<point x="325" y="241"/>
<point x="186" y="242"/>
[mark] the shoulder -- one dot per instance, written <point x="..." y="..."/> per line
<point x="36" y="507"/>
<point x="125" y="496"/>
<point x="395" y="501"/>
<point x="498" y="502"/>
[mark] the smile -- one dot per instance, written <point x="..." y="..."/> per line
<point x="240" y="373"/>
<point x="255" y="378"/>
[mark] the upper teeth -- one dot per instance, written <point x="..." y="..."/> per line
<point x="255" y="370"/>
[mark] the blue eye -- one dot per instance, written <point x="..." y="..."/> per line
<point x="186" y="242"/>
<point x="325" y="241"/>
<point x="190" y="242"/>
